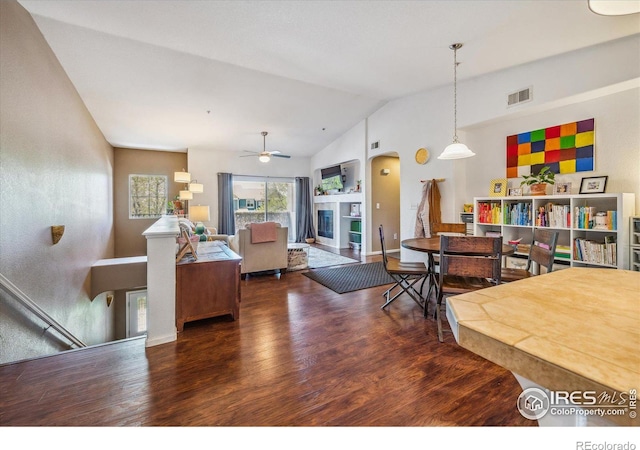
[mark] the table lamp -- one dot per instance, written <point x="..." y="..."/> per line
<point x="199" y="214"/>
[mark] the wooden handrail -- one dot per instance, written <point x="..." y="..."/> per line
<point x="35" y="309"/>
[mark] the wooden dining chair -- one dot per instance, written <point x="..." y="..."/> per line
<point x="467" y="263"/>
<point x="405" y="274"/>
<point x="438" y="228"/>
<point x="542" y="252"/>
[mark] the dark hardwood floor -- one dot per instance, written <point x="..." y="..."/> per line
<point x="300" y="355"/>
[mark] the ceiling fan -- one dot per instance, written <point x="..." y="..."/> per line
<point x="264" y="155"/>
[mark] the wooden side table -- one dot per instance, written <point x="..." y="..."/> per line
<point x="209" y="286"/>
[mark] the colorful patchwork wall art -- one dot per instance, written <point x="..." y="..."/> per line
<point x="567" y="148"/>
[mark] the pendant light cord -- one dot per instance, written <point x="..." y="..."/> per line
<point x="455" y="92"/>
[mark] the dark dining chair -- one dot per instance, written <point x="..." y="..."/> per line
<point x="542" y="252"/>
<point x="467" y="263"/>
<point x="405" y="274"/>
<point x="437" y="229"/>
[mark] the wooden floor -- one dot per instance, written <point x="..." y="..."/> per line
<point x="300" y="355"/>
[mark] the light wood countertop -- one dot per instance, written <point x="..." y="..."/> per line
<point x="573" y="329"/>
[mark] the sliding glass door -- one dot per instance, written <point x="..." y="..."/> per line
<point x="264" y="199"/>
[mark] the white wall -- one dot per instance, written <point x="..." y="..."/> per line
<point x="600" y="82"/>
<point x="617" y="146"/>
<point x="205" y="164"/>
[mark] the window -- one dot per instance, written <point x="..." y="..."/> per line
<point x="261" y="199"/>
<point x="147" y="196"/>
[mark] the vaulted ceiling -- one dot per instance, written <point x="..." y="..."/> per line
<point x="173" y="75"/>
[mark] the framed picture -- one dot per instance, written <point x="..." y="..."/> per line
<point x="562" y="188"/>
<point x="498" y="187"/>
<point x="515" y="192"/>
<point x="593" y="185"/>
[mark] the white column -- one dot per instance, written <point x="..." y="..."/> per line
<point x="161" y="281"/>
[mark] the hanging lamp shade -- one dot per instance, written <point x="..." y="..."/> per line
<point x="196" y="188"/>
<point x="186" y="195"/>
<point x="181" y="177"/>
<point x="455" y="150"/>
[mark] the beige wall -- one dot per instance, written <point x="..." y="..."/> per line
<point x="128" y="232"/>
<point x="55" y="169"/>
<point x="385" y="192"/>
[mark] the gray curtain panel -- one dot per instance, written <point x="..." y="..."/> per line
<point x="304" y="210"/>
<point x="226" y="222"/>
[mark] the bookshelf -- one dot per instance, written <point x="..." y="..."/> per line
<point x="594" y="229"/>
<point x="634" y="244"/>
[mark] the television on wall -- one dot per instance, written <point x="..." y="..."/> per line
<point x="332" y="178"/>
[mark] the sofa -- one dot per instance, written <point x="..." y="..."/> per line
<point x="261" y="256"/>
<point x="209" y="234"/>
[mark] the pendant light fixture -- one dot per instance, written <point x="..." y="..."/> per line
<point x="455" y="150"/>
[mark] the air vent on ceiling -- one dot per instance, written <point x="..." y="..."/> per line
<point x="375" y="145"/>
<point x="515" y="98"/>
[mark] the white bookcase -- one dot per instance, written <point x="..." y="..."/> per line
<point x="574" y="216"/>
<point x="634" y="244"/>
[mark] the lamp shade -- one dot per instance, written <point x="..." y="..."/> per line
<point x="199" y="213"/>
<point x="181" y="177"/>
<point x="186" y="195"/>
<point x="456" y="150"/>
<point x="614" y="7"/>
<point x="196" y="188"/>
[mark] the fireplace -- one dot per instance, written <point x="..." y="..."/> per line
<point x="325" y="223"/>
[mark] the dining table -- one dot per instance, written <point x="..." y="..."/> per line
<point x="431" y="246"/>
<point x="570" y="337"/>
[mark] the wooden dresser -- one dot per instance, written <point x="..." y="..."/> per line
<point x="209" y="286"/>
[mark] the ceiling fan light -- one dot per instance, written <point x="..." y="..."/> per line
<point x="264" y="158"/>
<point x="456" y="150"/>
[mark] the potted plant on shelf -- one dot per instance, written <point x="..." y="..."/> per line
<point x="538" y="182"/>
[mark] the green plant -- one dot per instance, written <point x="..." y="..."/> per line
<point x="544" y="176"/>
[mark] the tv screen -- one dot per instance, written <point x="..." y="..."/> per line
<point x="331" y="178"/>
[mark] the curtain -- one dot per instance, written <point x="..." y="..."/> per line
<point x="304" y="210"/>
<point x="428" y="210"/>
<point x="226" y="222"/>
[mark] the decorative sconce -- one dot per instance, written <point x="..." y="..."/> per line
<point x="385" y="172"/>
<point x="56" y="233"/>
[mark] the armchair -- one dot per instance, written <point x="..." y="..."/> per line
<point x="261" y="256"/>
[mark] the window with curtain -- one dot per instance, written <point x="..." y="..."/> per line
<point x="264" y="199"/>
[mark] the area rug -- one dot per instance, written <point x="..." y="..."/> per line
<point x="352" y="277"/>
<point x="321" y="258"/>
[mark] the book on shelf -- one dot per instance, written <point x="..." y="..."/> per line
<point x="589" y="218"/>
<point x="563" y="251"/>
<point x="589" y="251"/>
<point x="518" y="214"/>
<point x="489" y="212"/>
<point x="554" y="216"/>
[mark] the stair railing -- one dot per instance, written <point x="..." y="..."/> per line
<point x="39" y="312"/>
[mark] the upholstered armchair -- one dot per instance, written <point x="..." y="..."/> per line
<point x="261" y="253"/>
